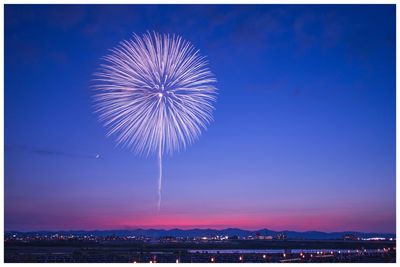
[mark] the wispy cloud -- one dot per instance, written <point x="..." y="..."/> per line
<point x="50" y="152"/>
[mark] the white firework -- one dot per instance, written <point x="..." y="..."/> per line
<point x="155" y="93"/>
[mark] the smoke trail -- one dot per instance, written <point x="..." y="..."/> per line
<point x="159" y="178"/>
<point x="160" y="146"/>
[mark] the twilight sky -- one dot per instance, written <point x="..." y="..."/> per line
<point x="303" y="137"/>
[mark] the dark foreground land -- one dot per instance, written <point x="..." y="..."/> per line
<point x="190" y="251"/>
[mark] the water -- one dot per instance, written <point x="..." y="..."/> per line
<point x="281" y="251"/>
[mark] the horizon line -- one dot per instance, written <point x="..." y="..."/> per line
<point x="189" y="229"/>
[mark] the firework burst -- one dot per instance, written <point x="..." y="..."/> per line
<point x="155" y="94"/>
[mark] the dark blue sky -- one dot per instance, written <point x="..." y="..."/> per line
<point x="303" y="137"/>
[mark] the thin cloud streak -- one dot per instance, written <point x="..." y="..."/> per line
<point x="51" y="152"/>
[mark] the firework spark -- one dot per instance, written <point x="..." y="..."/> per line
<point x="155" y="93"/>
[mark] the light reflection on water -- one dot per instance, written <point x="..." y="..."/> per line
<point x="280" y="251"/>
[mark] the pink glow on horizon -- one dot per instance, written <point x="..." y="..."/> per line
<point x="296" y="222"/>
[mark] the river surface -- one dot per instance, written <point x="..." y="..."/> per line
<point x="281" y="251"/>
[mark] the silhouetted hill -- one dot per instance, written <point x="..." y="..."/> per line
<point x="154" y="233"/>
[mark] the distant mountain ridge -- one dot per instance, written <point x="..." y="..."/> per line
<point x="155" y="233"/>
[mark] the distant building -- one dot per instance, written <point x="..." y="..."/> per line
<point x="350" y="237"/>
<point x="168" y="238"/>
<point x="376" y="239"/>
<point x="265" y="237"/>
<point x="281" y="237"/>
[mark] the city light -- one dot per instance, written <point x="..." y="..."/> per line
<point x="210" y="256"/>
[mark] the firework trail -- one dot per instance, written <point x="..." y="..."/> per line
<point x="155" y="93"/>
